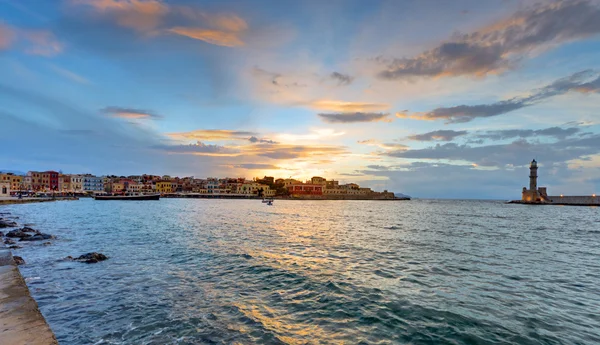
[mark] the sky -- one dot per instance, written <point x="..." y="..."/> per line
<point x="430" y="98"/>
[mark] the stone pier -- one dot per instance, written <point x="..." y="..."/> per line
<point x="21" y="322"/>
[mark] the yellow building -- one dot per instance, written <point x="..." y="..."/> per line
<point x="164" y="187"/>
<point x="14" y="180"/>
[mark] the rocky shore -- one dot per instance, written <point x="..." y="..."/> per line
<point x="20" y="319"/>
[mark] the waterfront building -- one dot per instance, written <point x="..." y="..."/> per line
<point x="77" y="183"/>
<point x="16" y="181"/>
<point x="64" y="183"/>
<point x="4" y="188"/>
<point x="27" y="185"/>
<point x="164" y="187"/>
<point x="300" y="189"/>
<point x="91" y="183"/>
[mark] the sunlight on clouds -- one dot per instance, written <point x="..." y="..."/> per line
<point x="220" y="38"/>
<point x="135" y="14"/>
<point x="7" y="36"/>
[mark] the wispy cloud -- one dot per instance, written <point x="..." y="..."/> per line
<point x="33" y="42"/>
<point x="216" y="37"/>
<point x="129" y="113"/>
<point x="254" y="139"/>
<point x="341" y="106"/>
<point x="254" y="166"/>
<point x="140" y="15"/>
<point x="500" y="46"/>
<point x="355" y="117"/>
<point x="440" y="135"/>
<point x="7" y="36"/>
<point x="213" y="135"/>
<point x="199" y="148"/>
<point x="70" y="75"/>
<point x="341" y="79"/>
<point x="385" y="146"/>
<point x="585" y="81"/>
<point x="556" y="132"/>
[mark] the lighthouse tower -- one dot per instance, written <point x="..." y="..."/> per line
<point x="533" y="176"/>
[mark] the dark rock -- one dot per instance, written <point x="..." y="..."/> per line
<point x="9" y="241"/>
<point x="18" y="233"/>
<point x="7" y="224"/>
<point x="1" y="234"/>
<point x="47" y="243"/>
<point x="28" y="229"/>
<point x="91" y="258"/>
<point x="37" y="237"/>
<point x="15" y="247"/>
<point x="19" y="260"/>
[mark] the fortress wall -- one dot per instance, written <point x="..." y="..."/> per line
<point x="575" y="200"/>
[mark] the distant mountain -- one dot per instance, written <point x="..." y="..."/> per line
<point x="2" y="171"/>
<point x="400" y="195"/>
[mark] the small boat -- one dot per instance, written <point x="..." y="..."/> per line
<point x="270" y="203"/>
<point x="128" y="197"/>
<point x="266" y="201"/>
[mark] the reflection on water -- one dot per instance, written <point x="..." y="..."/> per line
<point x="321" y="272"/>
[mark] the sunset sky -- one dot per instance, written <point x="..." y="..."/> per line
<point x="429" y="98"/>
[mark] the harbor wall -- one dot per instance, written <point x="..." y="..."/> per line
<point x="574" y="200"/>
<point x="20" y="319"/>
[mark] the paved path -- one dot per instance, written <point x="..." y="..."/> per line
<point x="21" y="322"/>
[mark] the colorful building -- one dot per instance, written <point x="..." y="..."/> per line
<point x="164" y="187"/>
<point x="16" y="181"/>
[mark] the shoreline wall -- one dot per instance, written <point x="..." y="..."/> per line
<point x="574" y="200"/>
<point x="20" y="319"/>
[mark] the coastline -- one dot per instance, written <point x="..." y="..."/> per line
<point x="21" y="321"/>
<point x="14" y="201"/>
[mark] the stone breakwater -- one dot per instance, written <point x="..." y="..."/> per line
<point x="564" y="200"/>
<point x="20" y="319"/>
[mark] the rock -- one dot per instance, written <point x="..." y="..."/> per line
<point x="1" y="234"/>
<point x="15" y="247"/>
<point x="9" y="241"/>
<point x="91" y="258"/>
<point x="19" y="260"/>
<point x="47" y="243"/>
<point x="18" y="233"/>
<point x="7" y="224"/>
<point x="28" y="229"/>
<point x="37" y="237"/>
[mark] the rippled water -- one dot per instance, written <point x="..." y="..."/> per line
<point x="317" y="272"/>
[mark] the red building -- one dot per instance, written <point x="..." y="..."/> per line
<point x="52" y="179"/>
<point x="305" y="189"/>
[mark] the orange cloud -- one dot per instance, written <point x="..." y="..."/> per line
<point x="341" y="106"/>
<point x="129" y="113"/>
<point x="212" y="135"/>
<point x="7" y="36"/>
<point x="140" y="15"/>
<point x="216" y="37"/>
<point x="42" y="43"/>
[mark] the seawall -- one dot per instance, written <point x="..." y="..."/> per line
<point x="20" y="319"/>
<point x="564" y="201"/>
<point x="575" y="200"/>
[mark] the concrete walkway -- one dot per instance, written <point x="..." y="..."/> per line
<point x="21" y="322"/>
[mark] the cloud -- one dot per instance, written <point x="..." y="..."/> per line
<point x="354" y="117"/>
<point x="70" y="75"/>
<point x="216" y="37"/>
<point x="500" y="46"/>
<point x="341" y="106"/>
<point x="199" y="148"/>
<point x="556" y="132"/>
<point x="342" y="79"/>
<point x="254" y="139"/>
<point x="33" y="42"/>
<point x="140" y="15"/>
<point x="255" y="166"/>
<point x="213" y="134"/>
<point x="385" y="146"/>
<point x="516" y="153"/>
<point x="7" y="36"/>
<point x="466" y="113"/>
<point x="440" y="135"/>
<point x="129" y="113"/>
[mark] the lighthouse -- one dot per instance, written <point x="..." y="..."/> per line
<point x="533" y="176"/>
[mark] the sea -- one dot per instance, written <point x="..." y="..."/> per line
<point x="195" y="271"/>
